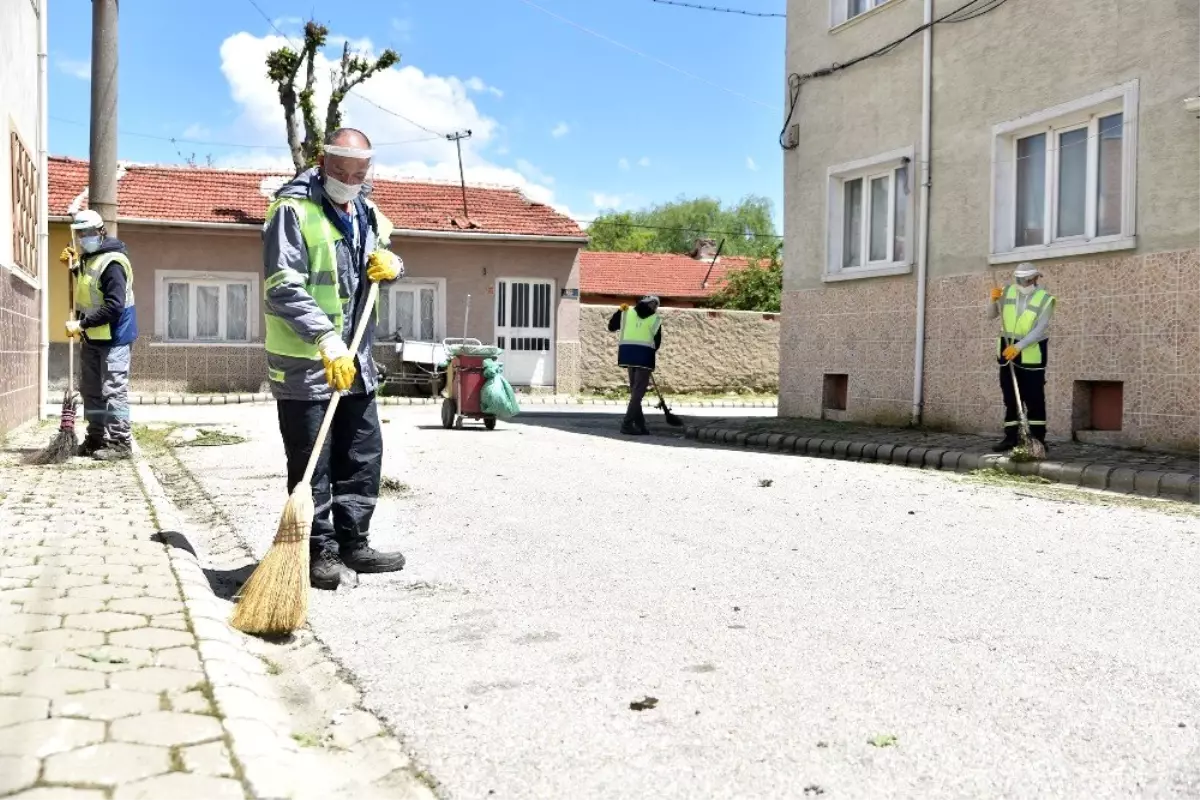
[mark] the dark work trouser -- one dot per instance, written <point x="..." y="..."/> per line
<point x="1031" y="380"/>
<point x="346" y="480"/>
<point x="639" y="381"/>
<point x="104" y="385"/>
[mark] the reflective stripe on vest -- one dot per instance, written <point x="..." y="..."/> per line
<point x="1014" y="326"/>
<point x="320" y="240"/>
<point x="88" y="296"/>
<point x="638" y="331"/>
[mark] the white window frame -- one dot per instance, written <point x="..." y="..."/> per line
<point x="416" y="284"/>
<point x="866" y="169"/>
<point x="839" y="11"/>
<point x="194" y="278"/>
<point x="1085" y="112"/>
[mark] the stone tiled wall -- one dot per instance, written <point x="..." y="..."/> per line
<point x="702" y="351"/>
<point x="20" y="329"/>
<point x="1133" y="319"/>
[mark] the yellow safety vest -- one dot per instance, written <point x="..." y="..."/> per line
<point x="635" y="330"/>
<point x="320" y="239"/>
<point x="88" y="296"/>
<point x="1014" y="326"/>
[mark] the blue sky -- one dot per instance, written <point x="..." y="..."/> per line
<point x="571" y="118"/>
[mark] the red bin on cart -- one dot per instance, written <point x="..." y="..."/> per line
<point x="464" y="387"/>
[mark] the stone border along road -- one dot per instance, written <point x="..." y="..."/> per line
<point x="295" y="720"/>
<point x="524" y="400"/>
<point x="1176" y="486"/>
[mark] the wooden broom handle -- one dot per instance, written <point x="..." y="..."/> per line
<point x="72" y="265"/>
<point x="361" y="329"/>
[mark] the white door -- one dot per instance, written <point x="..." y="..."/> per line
<point x="525" y="330"/>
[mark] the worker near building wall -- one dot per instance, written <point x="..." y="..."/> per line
<point x="1025" y="310"/>
<point x="641" y="336"/>
<point x="106" y="321"/>
<point x="322" y="242"/>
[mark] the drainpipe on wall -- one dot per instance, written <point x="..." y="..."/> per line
<point x="43" y="212"/>
<point x="918" y="401"/>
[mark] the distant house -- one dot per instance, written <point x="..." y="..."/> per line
<point x="21" y="204"/>
<point x="679" y="280"/>
<point x="194" y="237"/>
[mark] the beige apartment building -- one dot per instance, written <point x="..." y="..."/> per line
<point x="22" y="210"/>
<point x="1061" y="133"/>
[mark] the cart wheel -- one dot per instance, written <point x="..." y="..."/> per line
<point x="489" y="423"/>
<point x="448" y="411"/>
<point x="458" y="422"/>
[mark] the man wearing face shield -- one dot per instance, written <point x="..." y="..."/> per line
<point x="1024" y="310"/>
<point x="107" y="323"/>
<point x="323" y="241"/>
<point x="641" y="336"/>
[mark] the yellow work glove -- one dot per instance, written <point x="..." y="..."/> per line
<point x="997" y="294"/>
<point x="74" y="329"/>
<point x="624" y="306"/>
<point x="1011" y="352"/>
<point x="68" y="255"/>
<point x="384" y="266"/>
<point x="339" y="362"/>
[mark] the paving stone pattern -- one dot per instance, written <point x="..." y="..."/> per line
<point x="1147" y="473"/>
<point x="102" y="694"/>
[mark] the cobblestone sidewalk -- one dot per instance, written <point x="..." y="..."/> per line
<point x="102" y="691"/>
<point x="1165" y="475"/>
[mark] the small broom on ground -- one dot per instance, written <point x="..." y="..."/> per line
<point x="64" y="444"/>
<point x="670" y="417"/>
<point x="274" y="600"/>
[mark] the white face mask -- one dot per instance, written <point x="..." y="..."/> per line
<point x="341" y="192"/>
<point x="1027" y="290"/>
<point x="90" y="244"/>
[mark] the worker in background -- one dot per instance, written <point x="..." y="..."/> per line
<point x="1025" y="310"/>
<point x="323" y="242"/>
<point x="641" y="336"/>
<point x="106" y="321"/>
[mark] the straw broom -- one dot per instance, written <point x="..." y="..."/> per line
<point x="64" y="444"/>
<point x="274" y="600"/>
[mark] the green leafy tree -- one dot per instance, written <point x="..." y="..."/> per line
<point x="299" y="106"/>
<point x="756" y="287"/>
<point x="745" y="227"/>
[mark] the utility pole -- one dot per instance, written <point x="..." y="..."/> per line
<point x="457" y="139"/>
<point x="102" y="148"/>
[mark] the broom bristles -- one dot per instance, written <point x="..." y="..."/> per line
<point x="61" y="448"/>
<point x="274" y="600"/>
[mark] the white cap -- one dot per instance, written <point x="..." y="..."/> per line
<point x="87" y="220"/>
<point x="1026" y="270"/>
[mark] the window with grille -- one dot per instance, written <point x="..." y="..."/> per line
<point x="24" y="207"/>
<point x="409" y="310"/>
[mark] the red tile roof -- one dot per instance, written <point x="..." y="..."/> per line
<point x="198" y="194"/>
<point x="663" y="274"/>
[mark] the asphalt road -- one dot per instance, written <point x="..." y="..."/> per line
<point x="1013" y="646"/>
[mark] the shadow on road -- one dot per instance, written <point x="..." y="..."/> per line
<point x="608" y="425"/>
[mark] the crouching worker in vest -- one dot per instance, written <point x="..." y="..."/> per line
<point x="1025" y="311"/>
<point x="641" y="336"/>
<point x="106" y="322"/>
<point x="323" y="242"/>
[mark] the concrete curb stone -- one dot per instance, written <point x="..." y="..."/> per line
<point x="1126" y="480"/>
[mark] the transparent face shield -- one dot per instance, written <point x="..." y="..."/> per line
<point x="344" y="178"/>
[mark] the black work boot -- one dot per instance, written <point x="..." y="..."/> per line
<point x="326" y="571"/>
<point x="364" y="558"/>
<point x="88" y="448"/>
<point x="1005" y="444"/>
<point x="114" y="451"/>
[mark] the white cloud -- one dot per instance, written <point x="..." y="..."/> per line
<point x="644" y="161"/>
<point x="605" y="201"/>
<point x="363" y="45"/>
<point x="477" y="85"/>
<point x="75" y="68"/>
<point x="560" y="130"/>
<point x="403" y="29"/>
<point x="533" y="173"/>
<point x="623" y="164"/>
<point x="750" y="165"/>
<point x="440" y="103"/>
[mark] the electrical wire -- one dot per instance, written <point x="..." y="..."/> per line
<point x="353" y="92"/>
<point x="647" y="56"/>
<point x="719" y="9"/>
<point x="970" y="10"/>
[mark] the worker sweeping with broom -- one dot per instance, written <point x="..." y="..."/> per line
<point x="641" y="336"/>
<point x="1024" y="310"/>
<point x="324" y="255"/>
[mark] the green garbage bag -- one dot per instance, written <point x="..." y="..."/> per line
<point x="497" y="398"/>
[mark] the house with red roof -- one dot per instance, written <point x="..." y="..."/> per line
<point x="194" y="238"/>
<point x="680" y="280"/>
